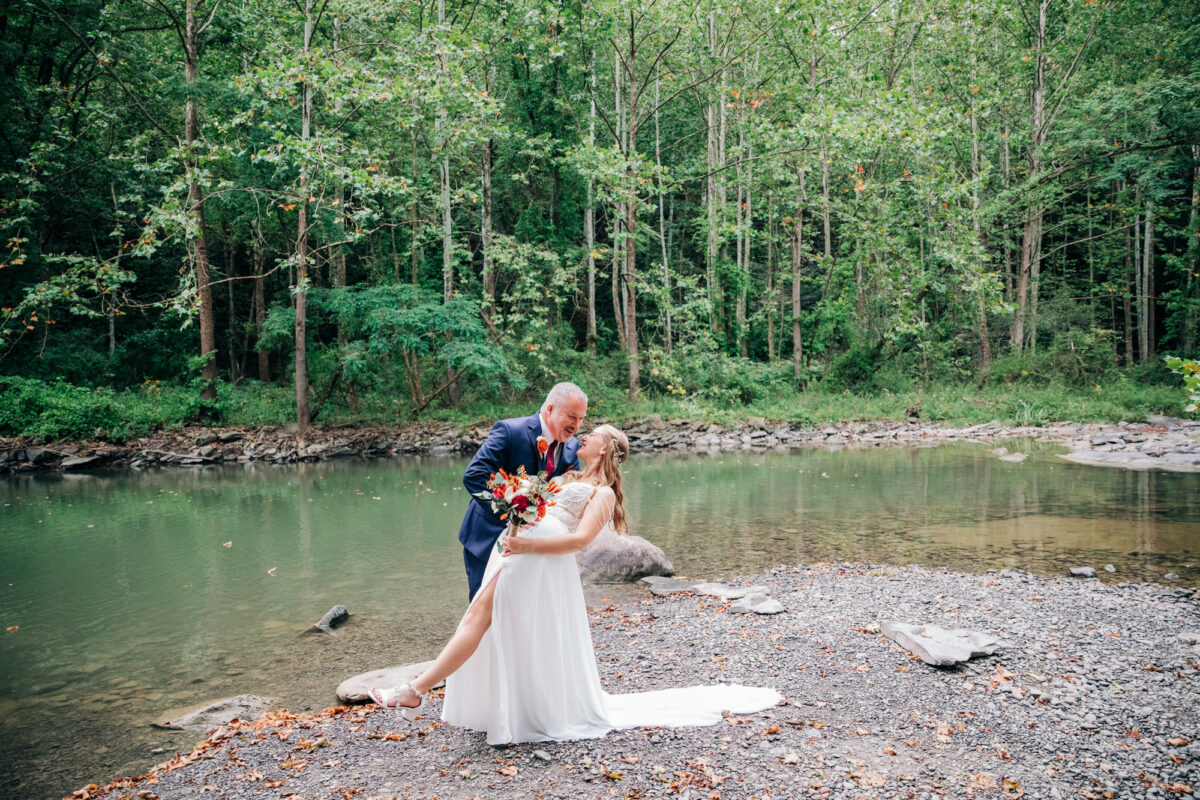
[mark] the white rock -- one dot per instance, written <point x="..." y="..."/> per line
<point x="940" y="646"/>
<point x="354" y="690"/>
<point x="756" y="603"/>
<point x="727" y="592"/>
<point x="1014" y="458"/>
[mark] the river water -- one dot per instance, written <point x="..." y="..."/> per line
<point x="132" y="595"/>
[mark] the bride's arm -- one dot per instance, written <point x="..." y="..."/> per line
<point x="597" y="513"/>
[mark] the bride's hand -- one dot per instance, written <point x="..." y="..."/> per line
<point x="515" y="546"/>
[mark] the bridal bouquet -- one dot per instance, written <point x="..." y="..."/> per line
<point x="519" y="498"/>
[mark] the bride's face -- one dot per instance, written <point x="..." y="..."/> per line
<point x="592" y="446"/>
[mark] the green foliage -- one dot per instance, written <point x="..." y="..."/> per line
<point x="48" y="411"/>
<point x="908" y="181"/>
<point x="1190" y="370"/>
<point x="1079" y="358"/>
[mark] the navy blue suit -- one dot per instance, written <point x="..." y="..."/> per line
<point x="511" y="444"/>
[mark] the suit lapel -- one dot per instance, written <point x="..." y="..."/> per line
<point x="535" y="430"/>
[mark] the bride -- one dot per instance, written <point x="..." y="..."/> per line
<point x="521" y="665"/>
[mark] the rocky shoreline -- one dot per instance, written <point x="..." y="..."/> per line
<point x="1090" y="693"/>
<point x="1163" y="443"/>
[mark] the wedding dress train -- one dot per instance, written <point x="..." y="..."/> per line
<point x="533" y="677"/>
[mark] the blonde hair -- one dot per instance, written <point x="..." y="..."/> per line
<point x="609" y="470"/>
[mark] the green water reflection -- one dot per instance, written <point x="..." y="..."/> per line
<point x="130" y="604"/>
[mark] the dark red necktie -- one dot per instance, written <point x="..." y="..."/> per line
<point x="550" y="458"/>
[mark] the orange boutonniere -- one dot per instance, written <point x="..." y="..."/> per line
<point x="542" y="445"/>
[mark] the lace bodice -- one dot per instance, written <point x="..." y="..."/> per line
<point x="570" y="502"/>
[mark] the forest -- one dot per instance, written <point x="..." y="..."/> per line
<point x="319" y="211"/>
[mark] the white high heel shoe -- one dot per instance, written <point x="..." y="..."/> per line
<point x="388" y="698"/>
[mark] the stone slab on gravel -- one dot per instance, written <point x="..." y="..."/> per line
<point x="725" y="591"/>
<point x="664" y="587"/>
<point x="941" y="647"/>
<point x="354" y="690"/>
<point x="214" y="715"/>
<point x="757" y="603"/>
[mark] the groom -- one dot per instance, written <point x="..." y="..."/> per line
<point x="513" y="444"/>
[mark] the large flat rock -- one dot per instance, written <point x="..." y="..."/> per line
<point x="1128" y="459"/>
<point x="354" y="690"/>
<point x="214" y="715"/>
<point x="725" y="591"/>
<point x="942" y="647"/>
<point x="663" y="586"/>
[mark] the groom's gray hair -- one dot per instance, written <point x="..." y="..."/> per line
<point x="561" y="392"/>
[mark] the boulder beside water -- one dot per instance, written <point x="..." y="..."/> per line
<point x="621" y="558"/>
<point x="354" y="690"/>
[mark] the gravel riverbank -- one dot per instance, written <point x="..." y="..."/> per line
<point x="1157" y="443"/>
<point x="1092" y="694"/>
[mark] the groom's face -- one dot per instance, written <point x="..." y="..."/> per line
<point x="564" y="418"/>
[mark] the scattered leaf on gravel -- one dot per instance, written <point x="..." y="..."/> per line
<point x="511" y="772"/>
<point x="868" y="778"/>
<point x="1012" y="788"/>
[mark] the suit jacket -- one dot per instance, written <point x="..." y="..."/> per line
<point x="512" y="443"/>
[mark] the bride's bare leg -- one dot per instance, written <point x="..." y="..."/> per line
<point x="460" y="647"/>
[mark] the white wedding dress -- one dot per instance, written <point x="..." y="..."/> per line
<point x="533" y="677"/>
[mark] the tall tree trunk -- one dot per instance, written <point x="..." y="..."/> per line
<point x="739" y="238"/>
<point x="109" y="302"/>
<point x="1139" y="276"/>
<point x="1005" y="234"/>
<point x="632" y="204"/>
<point x="208" y="339"/>
<point x="620" y="235"/>
<point x="985" y="346"/>
<point x="1192" y="265"/>
<point x="714" y="196"/>
<point x="301" y="328"/>
<point x="485" y="242"/>
<point x="1148" y="285"/>
<point x="826" y="211"/>
<point x="260" y="312"/>
<point x="1031" y="242"/>
<point x="230" y="262"/>
<point x="589" y="216"/>
<point x="797" y="267"/>
<point x="1127" y="295"/>
<point x="443" y="138"/>
<point x="769" y="304"/>
<point x="414" y="220"/>
<point x="662" y="227"/>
